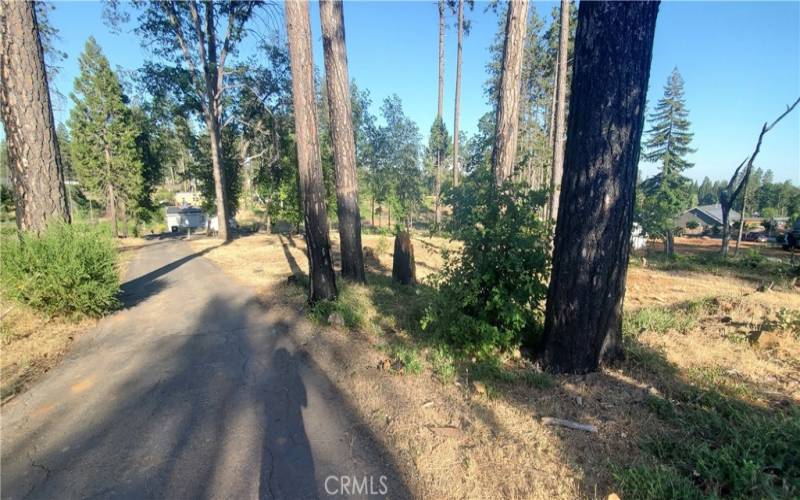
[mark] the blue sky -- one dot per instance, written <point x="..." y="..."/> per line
<point x="740" y="61"/>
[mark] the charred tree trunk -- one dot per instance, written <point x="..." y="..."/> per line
<point x="343" y="139"/>
<point x="33" y="155"/>
<point x="583" y="320"/>
<point x="320" y="261"/>
<point x="560" y="114"/>
<point x="456" y="158"/>
<point x="505" y="143"/>
<point x="404" y="268"/>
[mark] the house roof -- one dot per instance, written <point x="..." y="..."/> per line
<point x="714" y="213"/>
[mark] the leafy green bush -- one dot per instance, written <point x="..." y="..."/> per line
<point x="67" y="270"/>
<point x="491" y="293"/>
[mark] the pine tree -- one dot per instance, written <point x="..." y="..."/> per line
<point x="103" y="148"/>
<point x="668" y="143"/>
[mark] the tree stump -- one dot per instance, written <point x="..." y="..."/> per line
<point x="404" y="269"/>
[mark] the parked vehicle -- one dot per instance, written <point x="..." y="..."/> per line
<point x="185" y="218"/>
<point x="758" y="236"/>
<point x="791" y="238"/>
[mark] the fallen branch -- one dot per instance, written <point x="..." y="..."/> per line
<point x="569" y="424"/>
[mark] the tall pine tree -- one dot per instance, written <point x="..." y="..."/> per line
<point x="667" y="193"/>
<point x="103" y="147"/>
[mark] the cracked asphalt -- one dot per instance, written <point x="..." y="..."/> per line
<point x="195" y="389"/>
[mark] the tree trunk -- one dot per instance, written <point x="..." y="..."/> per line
<point x="741" y="221"/>
<point x="669" y="244"/>
<point x="123" y="210"/>
<point x="505" y="144"/>
<point x="456" y="158"/>
<point x="440" y="107"/>
<point x="437" y="193"/>
<point x="404" y="268"/>
<point x="561" y="101"/>
<point x="726" y="232"/>
<point x="343" y="139"/>
<point x="33" y="156"/>
<point x="583" y="319"/>
<point x="312" y="191"/>
<point x="214" y="97"/>
<point x="112" y="211"/>
<point x="373" y="210"/>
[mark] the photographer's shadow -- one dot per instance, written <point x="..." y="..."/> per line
<point x="287" y="469"/>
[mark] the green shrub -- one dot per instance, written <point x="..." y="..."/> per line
<point x="491" y="293"/>
<point x="67" y="270"/>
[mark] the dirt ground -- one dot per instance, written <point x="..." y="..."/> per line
<point x="457" y="439"/>
<point x="706" y="244"/>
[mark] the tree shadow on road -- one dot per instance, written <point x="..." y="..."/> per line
<point x="230" y="408"/>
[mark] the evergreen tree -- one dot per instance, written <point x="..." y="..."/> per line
<point x="667" y="193"/>
<point x="103" y="148"/>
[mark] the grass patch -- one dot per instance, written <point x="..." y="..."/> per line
<point x="493" y="370"/>
<point x="443" y="364"/>
<point x="351" y="304"/>
<point x="717" y="445"/>
<point x="404" y="359"/>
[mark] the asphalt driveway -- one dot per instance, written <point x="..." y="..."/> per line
<point x="194" y="390"/>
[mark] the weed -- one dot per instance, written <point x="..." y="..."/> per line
<point x="442" y="364"/>
<point x="492" y="369"/>
<point x="405" y="359"/>
<point x="717" y="446"/>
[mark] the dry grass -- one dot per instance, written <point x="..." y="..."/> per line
<point x="453" y="441"/>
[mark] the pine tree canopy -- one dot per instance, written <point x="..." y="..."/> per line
<point x="103" y="147"/>
<point x="669" y="137"/>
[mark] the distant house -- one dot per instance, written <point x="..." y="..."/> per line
<point x="707" y="218"/>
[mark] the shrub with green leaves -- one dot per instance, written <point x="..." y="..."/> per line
<point x="66" y="270"/>
<point x="491" y="293"/>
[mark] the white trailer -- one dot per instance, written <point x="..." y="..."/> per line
<point x="185" y="218"/>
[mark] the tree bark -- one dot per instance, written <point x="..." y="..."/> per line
<point x="456" y="162"/>
<point x="583" y="318"/>
<point x="505" y="144"/>
<point x="33" y="155"/>
<point x="320" y="262"/>
<point x="343" y="139"/>
<point x="560" y="114"/>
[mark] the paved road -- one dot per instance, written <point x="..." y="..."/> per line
<point x="194" y="390"/>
